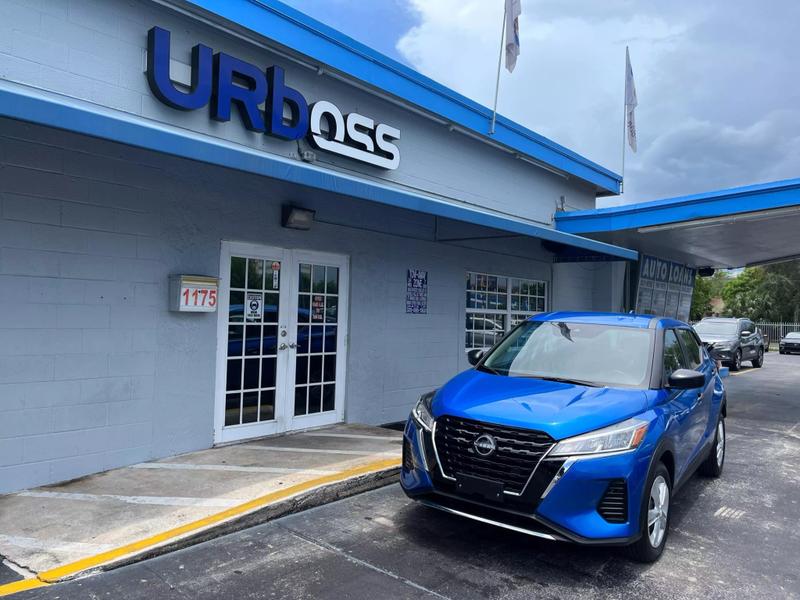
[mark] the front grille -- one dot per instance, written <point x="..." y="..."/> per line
<point x="613" y="505"/>
<point x="517" y="453"/>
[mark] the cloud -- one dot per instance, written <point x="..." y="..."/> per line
<point x="717" y="85"/>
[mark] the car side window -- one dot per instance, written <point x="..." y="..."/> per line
<point x="673" y="355"/>
<point x="692" y="348"/>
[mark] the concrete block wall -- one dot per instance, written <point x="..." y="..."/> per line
<point x="95" y="372"/>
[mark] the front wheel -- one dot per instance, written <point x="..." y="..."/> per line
<point x="654" y="518"/>
<point x="712" y="466"/>
<point x="758" y="362"/>
<point x="736" y="363"/>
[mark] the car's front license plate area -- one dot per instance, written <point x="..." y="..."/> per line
<point x="481" y="488"/>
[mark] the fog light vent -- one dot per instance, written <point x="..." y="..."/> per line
<point x="613" y="506"/>
<point x="408" y="457"/>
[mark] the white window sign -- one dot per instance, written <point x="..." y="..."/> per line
<point x="254" y="306"/>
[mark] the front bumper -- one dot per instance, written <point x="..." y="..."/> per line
<point x="563" y="499"/>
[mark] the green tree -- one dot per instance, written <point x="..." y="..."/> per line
<point x="701" y="300"/>
<point x="747" y="295"/>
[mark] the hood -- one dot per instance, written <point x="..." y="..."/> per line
<point x="559" y="409"/>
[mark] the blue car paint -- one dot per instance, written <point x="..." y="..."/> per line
<point x="681" y="425"/>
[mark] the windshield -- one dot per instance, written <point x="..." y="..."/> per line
<point x="794" y="335"/>
<point x="599" y="355"/>
<point x="717" y="327"/>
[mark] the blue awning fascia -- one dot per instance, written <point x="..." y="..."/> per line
<point x="27" y="104"/>
<point x="293" y="29"/>
<point x="720" y="203"/>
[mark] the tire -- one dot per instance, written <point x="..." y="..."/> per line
<point x="758" y="362"/>
<point x="645" y="549"/>
<point x="712" y="466"/>
<point x="781" y="352"/>
<point x="736" y="363"/>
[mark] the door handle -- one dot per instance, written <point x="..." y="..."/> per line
<point x="292" y="345"/>
<point x="282" y="347"/>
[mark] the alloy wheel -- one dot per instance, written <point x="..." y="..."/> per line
<point x="657" y="511"/>
<point x="738" y="360"/>
<point x="720" y="443"/>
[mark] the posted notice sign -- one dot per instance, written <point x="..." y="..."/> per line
<point x="665" y="288"/>
<point x="416" y="292"/>
<point x="254" y="306"/>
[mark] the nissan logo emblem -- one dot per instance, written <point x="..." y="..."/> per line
<point x="485" y="445"/>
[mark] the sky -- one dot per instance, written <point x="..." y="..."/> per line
<point x="717" y="81"/>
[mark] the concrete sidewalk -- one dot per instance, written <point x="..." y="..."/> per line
<point x="57" y="532"/>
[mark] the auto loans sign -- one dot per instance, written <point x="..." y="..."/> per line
<point x="222" y="81"/>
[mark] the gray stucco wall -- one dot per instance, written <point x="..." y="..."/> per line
<point x="95" y="372"/>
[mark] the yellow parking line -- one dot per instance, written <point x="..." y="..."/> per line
<point x="735" y="373"/>
<point x="20" y="586"/>
<point x="58" y="573"/>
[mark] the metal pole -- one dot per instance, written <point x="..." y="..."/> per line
<point x="624" y="123"/>
<point x="499" y="64"/>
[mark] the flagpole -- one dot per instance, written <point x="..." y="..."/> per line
<point x="499" y="65"/>
<point x="624" y="123"/>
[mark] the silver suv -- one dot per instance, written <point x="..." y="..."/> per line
<point x="731" y="341"/>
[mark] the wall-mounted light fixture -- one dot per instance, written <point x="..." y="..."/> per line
<point x="294" y="217"/>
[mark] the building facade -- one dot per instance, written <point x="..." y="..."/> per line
<point x="223" y="220"/>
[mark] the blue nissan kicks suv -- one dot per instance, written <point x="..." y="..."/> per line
<point x="575" y="427"/>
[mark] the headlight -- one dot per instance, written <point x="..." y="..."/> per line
<point x="622" y="436"/>
<point x="422" y="411"/>
<point x="722" y="346"/>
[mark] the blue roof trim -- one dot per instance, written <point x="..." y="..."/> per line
<point x="291" y="28"/>
<point x="762" y="196"/>
<point x="26" y="104"/>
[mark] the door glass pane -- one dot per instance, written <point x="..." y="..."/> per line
<point x="300" y="396"/>
<point x="255" y="274"/>
<point x="328" y="397"/>
<point x="267" y="406"/>
<point x="305" y="278"/>
<point x="333" y="280"/>
<point x="232" y="409"/>
<point x="250" y="407"/>
<point x="237" y="272"/>
<point x="251" y="382"/>
<point x="314" y="399"/>
<point x="236" y="307"/>
<point x="235" y="333"/>
<point x="318" y="279"/>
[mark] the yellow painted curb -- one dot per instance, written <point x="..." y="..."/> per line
<point x="90" y="562"/>
<point x="20" y="586"/>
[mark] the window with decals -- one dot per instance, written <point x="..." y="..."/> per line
<point x="497" y="303"/>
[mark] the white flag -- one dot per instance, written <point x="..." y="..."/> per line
<point x="513" y="11"/>
<point x="630" y="102"/>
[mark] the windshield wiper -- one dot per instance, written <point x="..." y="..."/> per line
<point x="567" y="380"/>
<point x="488" y="369"/>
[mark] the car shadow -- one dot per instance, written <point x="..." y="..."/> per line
<point x="523" y="558"/>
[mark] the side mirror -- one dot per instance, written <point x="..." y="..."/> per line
<point x="474" y="356"/>
<point x="746" y="333"/>
<point x="686" y="379"/>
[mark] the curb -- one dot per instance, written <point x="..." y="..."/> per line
<point x="296" y="498"/>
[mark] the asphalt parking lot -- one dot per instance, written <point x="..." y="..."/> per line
<point x="736" y="537"/>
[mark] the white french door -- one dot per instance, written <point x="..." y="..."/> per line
<point x="282" y="334"/>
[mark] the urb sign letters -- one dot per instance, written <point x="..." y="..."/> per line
<point x="221" y="81"/>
